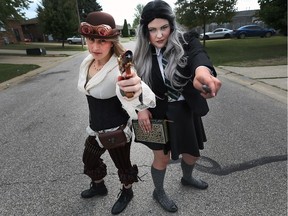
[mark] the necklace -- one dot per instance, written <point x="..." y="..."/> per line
<point x="97" y="68"/>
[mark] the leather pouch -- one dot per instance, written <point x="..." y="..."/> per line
<point x="113" y="139"/>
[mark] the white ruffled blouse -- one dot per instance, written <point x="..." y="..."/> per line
<point x="103" y="85"/>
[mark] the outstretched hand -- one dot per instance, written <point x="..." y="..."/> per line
<point x="131" y="85"/>
<point x="206" y="83"/>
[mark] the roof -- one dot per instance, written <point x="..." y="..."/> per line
<point x="246" y="13"/>
<point x="30" y="21"/>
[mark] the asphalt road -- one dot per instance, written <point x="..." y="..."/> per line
<point x="42" y="133"/>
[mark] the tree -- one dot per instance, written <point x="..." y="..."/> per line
<point x="59" y="18"/>
<point x="12" y="9"/>
<point x="87" y="6"/>
<point x="274" y="14"/>
<point x="125" y="30"/>
<point x="137" y="15"/>
<point x="201" y="12"/>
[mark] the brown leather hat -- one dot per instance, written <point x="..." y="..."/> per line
<point x="99" y="25"/>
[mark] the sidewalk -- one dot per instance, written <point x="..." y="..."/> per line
<point x="269" y="80"/>
<point x="45" y="62"/>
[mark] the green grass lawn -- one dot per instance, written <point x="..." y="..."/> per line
<point x="9" y="71"/>
<point x="248" y="51"/>
<point x="233" y="52"/>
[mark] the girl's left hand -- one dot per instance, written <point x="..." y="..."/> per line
<point x="144" y="117"/>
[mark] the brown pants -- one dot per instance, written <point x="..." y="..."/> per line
<point x="96" y="169"/>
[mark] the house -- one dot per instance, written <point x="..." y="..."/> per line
<point x="241" y="18"/>
<point x="32" y="30"/>
<point x="12" y="33"/>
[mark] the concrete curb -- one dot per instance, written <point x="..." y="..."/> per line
<point x="43" y="67"/>
<point x="257" y="85"/>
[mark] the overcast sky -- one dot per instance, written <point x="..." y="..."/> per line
<point x="125" y="9"/>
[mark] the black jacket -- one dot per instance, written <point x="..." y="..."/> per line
<point x="197" y="56"/>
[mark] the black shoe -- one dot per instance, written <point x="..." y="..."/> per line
<point x="195" y="183"/>
<point x="122" y="202"/>
<point x="95" y="189"/>
<point x="165" y="202"/>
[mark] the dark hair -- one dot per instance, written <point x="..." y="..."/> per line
<point x="156" y="9"/>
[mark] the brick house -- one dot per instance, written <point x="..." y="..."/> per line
<point x="32" y="30"/>
<point x="12" y="33"/>
<point x="17" y="31"/>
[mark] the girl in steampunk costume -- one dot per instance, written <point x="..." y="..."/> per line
<point x="98" y="79"/>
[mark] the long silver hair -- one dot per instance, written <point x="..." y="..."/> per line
<point x="174" y="52"/>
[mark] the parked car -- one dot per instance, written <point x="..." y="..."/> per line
<point x="253" y="31"/>
<point x="217" y="33"/>
<point x="75" y="40"/>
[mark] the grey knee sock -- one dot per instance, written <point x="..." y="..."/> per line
<point x="187" y="174"/>
<point x="159" y="193"/>
<point x="187" y="170"/>
<point x="158" y="178"/>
